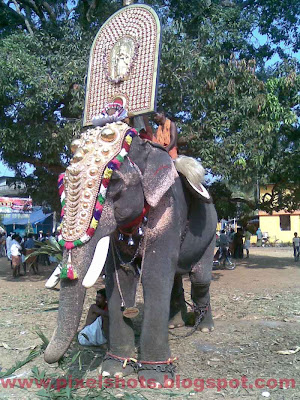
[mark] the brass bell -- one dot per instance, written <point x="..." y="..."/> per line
<point x="121" y="236"/>
<point x="130" y="241"/>
<point x="140" y="231"/>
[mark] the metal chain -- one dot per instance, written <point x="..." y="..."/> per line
<point x="114" y="247"/>
<point x="134" y="256"/>
<point x="143" y="255"/>
<point x="117" y="276"/>
<point x="140" y="365"/>
<point x="124" y="361"/>
<point x="160" y="368"/>
<point x="202" y="311"/>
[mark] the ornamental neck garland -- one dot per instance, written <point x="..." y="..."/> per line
<point x="99" y="152"/>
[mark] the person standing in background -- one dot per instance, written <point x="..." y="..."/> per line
<point x="8" y="246"/>
<point x="238" y="243"/>
<point x="16" y="252"/>
<point x="230" y="239"/>
<point x="2" y="245"/>
<point x="259" y="237"/>
<point x="247" y="236"/>
<point x="296" y="246"/>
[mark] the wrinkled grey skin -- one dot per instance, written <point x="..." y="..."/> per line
<point x="170" y="247"/>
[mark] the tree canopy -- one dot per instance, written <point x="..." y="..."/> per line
<point x="240" y="117"/>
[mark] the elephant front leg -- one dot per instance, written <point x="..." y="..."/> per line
<point x="158" y="279"/>
<point x="121" y="334"/>
<point x="200" y="279"/>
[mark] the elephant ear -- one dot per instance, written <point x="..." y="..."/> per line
<point x="159" y="174"/>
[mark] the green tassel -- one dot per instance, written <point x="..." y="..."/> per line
<point x="77" y="242"/>
<point x="64" y="272"/>
<point x="120" y="158"/>
<point x="62" y="242"/>
<point x="101" y="199"/>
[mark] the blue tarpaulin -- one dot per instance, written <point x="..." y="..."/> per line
<point x="34" y="218"/>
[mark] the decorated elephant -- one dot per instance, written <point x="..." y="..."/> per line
<point x="145" y="193"/>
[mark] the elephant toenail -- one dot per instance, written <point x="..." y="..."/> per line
<point x="156" y="385"/>
<point x="105" y="373"/>
<point x="204" y="330"/>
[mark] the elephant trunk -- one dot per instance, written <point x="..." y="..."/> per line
<point x="71" y="300"/>
<point x="72" y="292"/>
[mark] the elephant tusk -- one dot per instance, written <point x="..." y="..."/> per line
<point x="97" y="264"/>
<point x="54" y="278"/>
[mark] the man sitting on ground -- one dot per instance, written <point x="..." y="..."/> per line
<point x="95" y="331"/>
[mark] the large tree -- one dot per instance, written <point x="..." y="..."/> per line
<point x="237" y="116"/>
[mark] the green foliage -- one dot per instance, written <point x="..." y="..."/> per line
<point x="238" y="117"/>
<point x="34" y="353"/>
<point x="19" y="364"/>
<point x="231" y="202"/>
<point x="49" y="247"/>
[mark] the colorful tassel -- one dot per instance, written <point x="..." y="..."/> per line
<point x="68" y="271"/>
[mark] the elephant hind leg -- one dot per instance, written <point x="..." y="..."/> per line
<point x="178" y="310"/>
<point x="202" y="308"/>
<point x="200" y="276"/>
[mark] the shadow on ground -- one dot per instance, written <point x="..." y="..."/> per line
<point x="44" y="273"/>
<point x="274" y="262"/>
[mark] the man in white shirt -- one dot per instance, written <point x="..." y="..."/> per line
<point x="16" y="251"/>
<point x="8" y="246"/>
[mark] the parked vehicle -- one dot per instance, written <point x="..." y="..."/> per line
<point x="223" y="259"/>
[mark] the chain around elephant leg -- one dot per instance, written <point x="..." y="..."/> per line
<point x="115" y="366"/>
<point x="202" y="308"/>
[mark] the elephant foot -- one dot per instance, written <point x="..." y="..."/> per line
<point x="115" y="366"/>
<point x="178" y="313"/>
<point x="206" y="324"/>
<point x="156" y="375"/>
<point x="177" y="321"/>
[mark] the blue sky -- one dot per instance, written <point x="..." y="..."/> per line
<point x="4" y="170"/>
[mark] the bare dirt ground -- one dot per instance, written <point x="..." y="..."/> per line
<point x="256" y="310"/>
